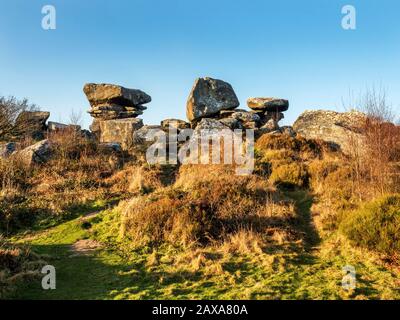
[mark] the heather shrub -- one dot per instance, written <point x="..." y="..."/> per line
<point x="376" y="225"/>
<point x="207" y="203"/>
<point x="289" y="175"/>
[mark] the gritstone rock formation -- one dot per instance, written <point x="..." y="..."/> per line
<point x="32" y="123"/>
<point x="115" y="109"/>
<point x="344" y="129"/>
<point x="216" y="99"/>
<point x="208" y="97"/>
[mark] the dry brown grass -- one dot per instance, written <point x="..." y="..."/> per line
<point x="16" y="264"/>
<point x="206" y="204"/>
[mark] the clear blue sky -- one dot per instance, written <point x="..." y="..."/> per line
<point x="289" y="49"/>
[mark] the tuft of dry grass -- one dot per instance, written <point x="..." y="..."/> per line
<point x="17" y="264"/>
<point x="243" y="242"/>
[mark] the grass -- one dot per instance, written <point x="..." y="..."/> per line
<point x="286" y="271"/>
<point x="194" y="232"/>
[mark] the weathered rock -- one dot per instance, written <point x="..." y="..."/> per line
<point x="288" y="130"/>
<point x="246" y="116"/>
<point x="342" y="129"/>
<point x="98" y="94"/>
<point x="139" y="136"/>
<point x="86" y="134"/>
<point x="250" y="125"/>
<point x="32" y="123"/>
<point x="208" y="97"/>
<point x="175" y="124"/>
<point x="110" y="147"/>
<point x="119" y="131"/>
<point x="35" y="154"/>
<point x="113" y="111"/>
<point x="55" y="126"/>
<point x="269" y="126"/>
<point x="6" y="149"/>
<point x="268" y="104"/>
<point x="210" y="124"/>
<point x="33" y="118"/>
<point x="231" y="123"/>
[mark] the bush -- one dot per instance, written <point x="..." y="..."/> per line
<point x="376" y="226"/>
<point x="289" y="175"/>
<point x="17" y="264"/>
<point x="207" y="203"/>
<point x="305" y="148"/>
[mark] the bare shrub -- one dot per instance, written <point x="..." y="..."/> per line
<point x="375" y="162"/>
<point x="10" y="108"/>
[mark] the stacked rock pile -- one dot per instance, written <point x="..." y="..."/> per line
<point x="110" y="101"/>
<point x="269" y="110"/>
<point x="115" y="110"/>
<point x="214" y="100"/>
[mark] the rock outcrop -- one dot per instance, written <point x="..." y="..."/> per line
<point x="269" y="110"/>
<point x="120" y="131"/>
<point x="32" y="124"/>
<point x="38" y="153"/>
<point x="115" y="110"/>
<point x="110" y="101"/>
<point x="215" y="99"/>
<point x="343" y="129"/>
<point x="208" y="97"/>
<point x="175" y="124"/>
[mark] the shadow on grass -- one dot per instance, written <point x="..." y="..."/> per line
<point x="103" y="275"/>
<point x="303" y="202"/>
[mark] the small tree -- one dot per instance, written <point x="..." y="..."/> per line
<point x="10" y="108"/>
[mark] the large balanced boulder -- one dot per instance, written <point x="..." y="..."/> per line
<point x="109" y="101"/>
<point x="208" y="97"/>
<point x="119" y="131"/>
<point x="343" y="129"/>
<point x="103" y="93"/>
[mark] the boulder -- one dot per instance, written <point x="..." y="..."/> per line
<point x="343" y="129"/>
<point x="231" y="123"/>
<point x="175" y="124"/>
<point x="139" y="136"/>
<point x="110" y="148"/>
<point x="119" y="131"/>
<point x="99" y="94"/>
<point x="246" y="116"/>
<point x="6" y="149"/>
<point x="288" y="130"/>
<point x="268" y="104"/>
<point x="210" y="124"/>
<point x="55" y="126"/>
<point x="32" y="123"/>
<point x="270" y="126"/>
<point x="113" y="111"/>
<point x="208" y="97"/>
<point x="35" y="154"/>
